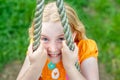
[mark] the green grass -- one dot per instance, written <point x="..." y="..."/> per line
<point x="100" y="17"/>
<point x="15" y="19"/>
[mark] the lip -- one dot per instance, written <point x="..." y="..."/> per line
<point x="54" y="55"/>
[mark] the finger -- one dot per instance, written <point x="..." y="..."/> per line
<point x="39" y="49"/>
<point x="30" y="51"/>
<point x="44" y="53"/>
<point x="65" y="47"/>
<point x="76" y="50"/>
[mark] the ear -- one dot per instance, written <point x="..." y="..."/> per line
<point x="74" y="35"/>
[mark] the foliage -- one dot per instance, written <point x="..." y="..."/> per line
<point x="15" y="19"/>
<point x="100" y="17"/>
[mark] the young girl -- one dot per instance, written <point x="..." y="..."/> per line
<point x="53" y="60"/>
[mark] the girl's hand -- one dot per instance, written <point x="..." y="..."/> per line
<point x="69" y="57"/>
<point x="38" y="57"/>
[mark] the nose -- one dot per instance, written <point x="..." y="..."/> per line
<point x="52" y="47"/>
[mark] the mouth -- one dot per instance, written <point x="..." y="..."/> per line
<point x="54" y="55"/>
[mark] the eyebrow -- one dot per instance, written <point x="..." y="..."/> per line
<point x="43" y="35"/>
<point x="58" y="35"/>
<point x="61" y="35"/>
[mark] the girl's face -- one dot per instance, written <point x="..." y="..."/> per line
<point x="52" y="36"/>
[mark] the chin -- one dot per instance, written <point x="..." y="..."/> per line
<point x="55" y="59"/>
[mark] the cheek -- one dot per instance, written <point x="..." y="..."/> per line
<point x="45" y="46"/>
<point x="59" y="45"/>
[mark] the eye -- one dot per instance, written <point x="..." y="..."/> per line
<point x="44" y="39"/>
<point x="61" y="39"/>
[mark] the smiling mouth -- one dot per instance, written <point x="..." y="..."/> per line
<point x="54" y="55"/>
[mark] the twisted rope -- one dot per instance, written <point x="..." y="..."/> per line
<point x="38" y="24"/>
<point x="66" y="26"/>
<point x="64" y="20"/>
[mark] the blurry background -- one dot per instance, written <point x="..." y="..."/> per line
<point x="100" y="17"/>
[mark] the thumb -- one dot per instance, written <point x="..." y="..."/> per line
<point x="30" y="50"/>
<point x="39" y="49"/>
<point x="65" y="48"/>
<point x="65" y="44"/>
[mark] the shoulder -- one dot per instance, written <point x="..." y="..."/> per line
<point x="87" y="42"/>
<point x="87" y="48"/>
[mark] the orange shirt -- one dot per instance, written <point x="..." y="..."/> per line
<point x="87" y="48"/>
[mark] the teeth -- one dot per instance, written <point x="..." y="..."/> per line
<point x="54" y="55"/>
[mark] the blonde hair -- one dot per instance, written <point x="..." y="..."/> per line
<point x="50" y="13"/>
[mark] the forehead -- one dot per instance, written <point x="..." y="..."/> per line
<point x="54" y="28"/>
